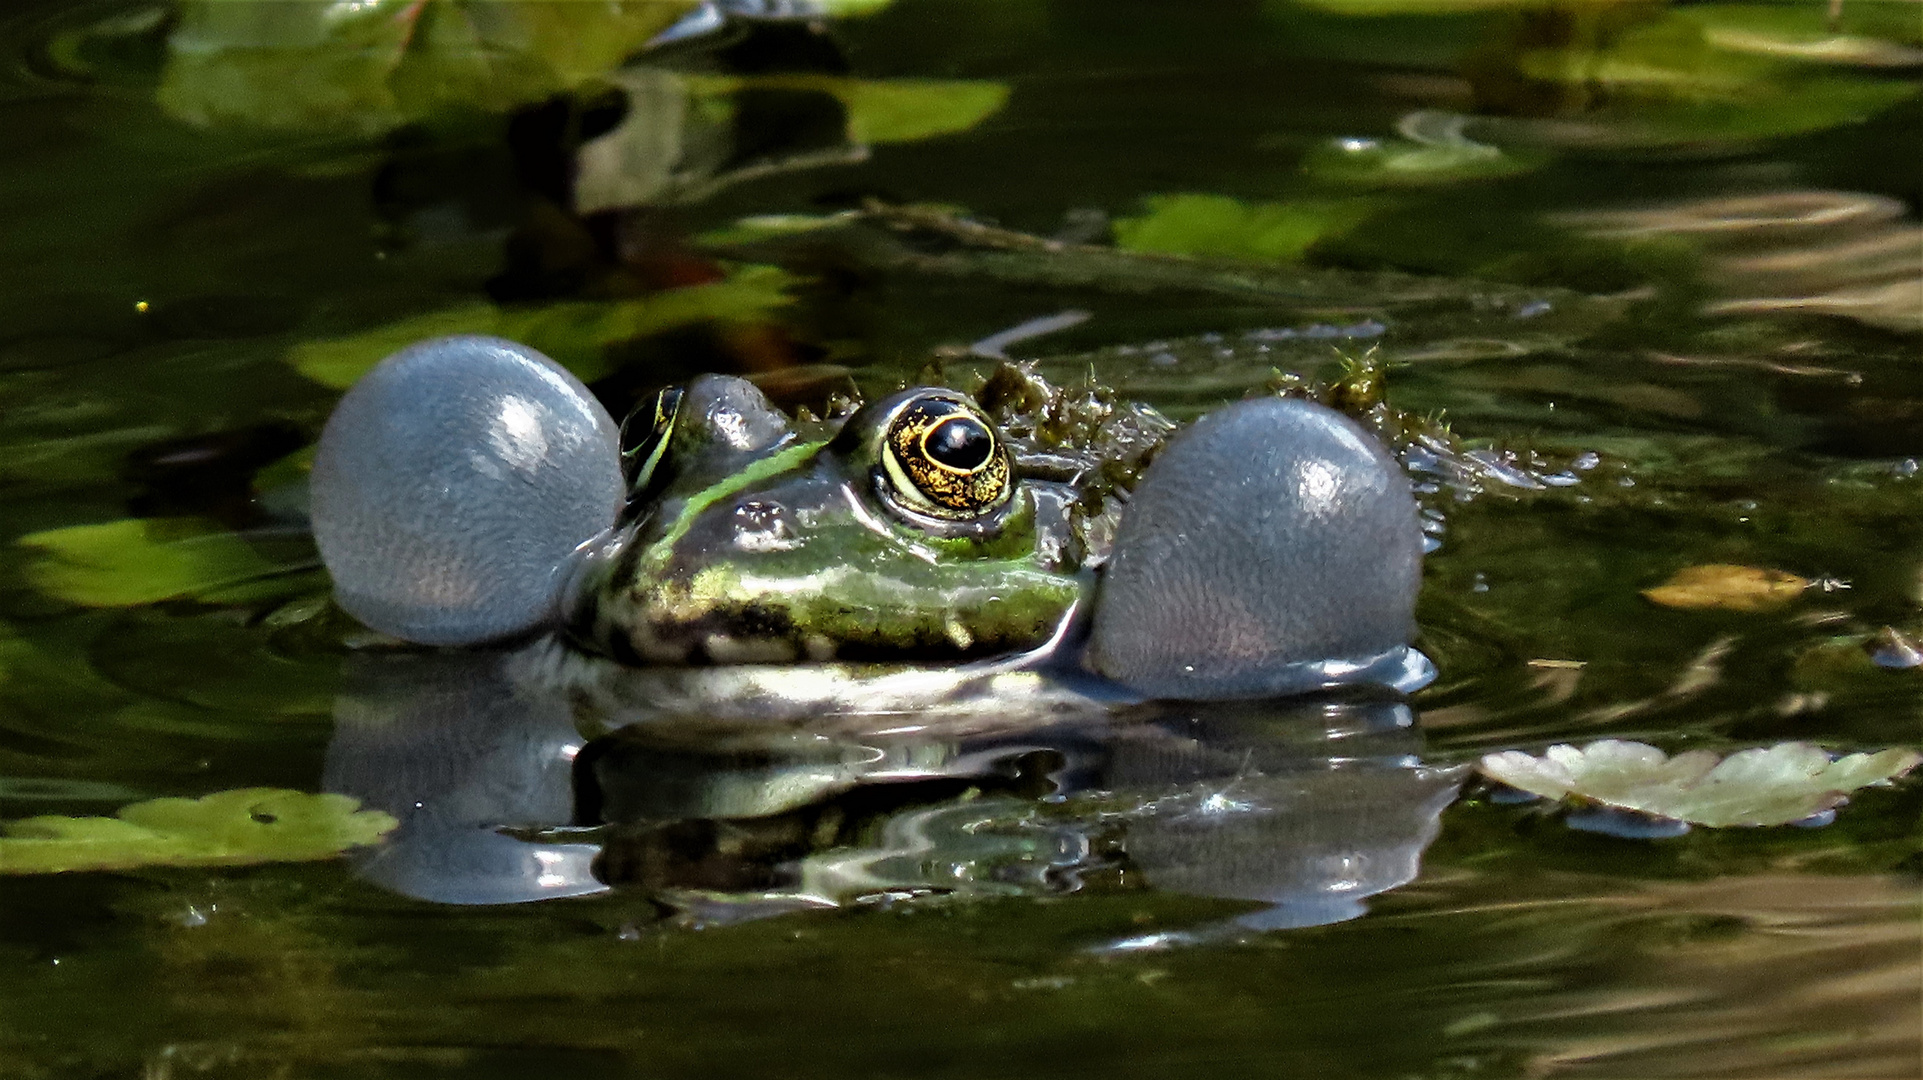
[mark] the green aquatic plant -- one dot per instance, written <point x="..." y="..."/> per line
<point x="576" y="333"/>
<point x="364" y="67"/>
<point x="1671" y="80"/>
<point x="137" y="561"/>
<point x="1773" y="785"/>
<point x="1858" y="35"/>
<point x="227" y="828"/>
<point x="1197" y="224"/>
<point x="1591" y="75"/>
<point x="679" y="140"/>
<point x="1430" y="147"/>
<point x="882" y="110"/>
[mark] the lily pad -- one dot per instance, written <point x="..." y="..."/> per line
<point x="882" y="110"/>
<point x="137" y="561"/>
<point x="1728" y="587"/>
<point x="1853" y="35"/>
<point x="1664" y="81"/>
<point x="1192" y="224"/>
<point x="367" y="66"/>
<point x="227" y="828"/>
<point x="1776" y="785"/>
<point x="574" y="333"/>
<point x="1432" y="147"/>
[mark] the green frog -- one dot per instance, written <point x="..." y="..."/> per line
<point x="912" y="528"/>
<point x="469" y="490"/>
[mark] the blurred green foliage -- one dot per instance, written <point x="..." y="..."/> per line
<point x="1193" y="224"/>
<point x="575" y="333"/>
<point x="137" y="561"/>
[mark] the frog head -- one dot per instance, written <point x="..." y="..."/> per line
<point x="904" y="533"/>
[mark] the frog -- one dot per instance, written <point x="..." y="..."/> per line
<point x="1024" y="538"/>
<point x="904" y="530"/>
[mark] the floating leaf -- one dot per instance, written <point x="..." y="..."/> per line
<point x="1728" y="587"/>
<point x="677" y="141"/>
<point x="883" y="110"/>
<point x="248" y="825"/>
<point x="851" y="8"/>
<point x="1433" y="148"/>
<point x="1401" y="162"/>
<point x="1764" y="786"/>
<point x="905" y="110"/>
<point x="1854" y="35"/>
<point x="1218" y="225"/>
<point x="143" y="560"/>
<point x="367" y="66"/>
<point x="52" y="789"/>
<point x="1664" y="81"/>
<point x="574" y="333"/>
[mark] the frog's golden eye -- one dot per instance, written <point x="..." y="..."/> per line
<point x="650" y="427"/>
<point x="942" y="458"/>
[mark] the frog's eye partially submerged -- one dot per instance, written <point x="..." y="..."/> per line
<point x="469" y="490"/>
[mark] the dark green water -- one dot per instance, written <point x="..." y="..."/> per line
<point x="1679" y="238"/>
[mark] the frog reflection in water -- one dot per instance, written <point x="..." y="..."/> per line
<point x="469" y="490"/>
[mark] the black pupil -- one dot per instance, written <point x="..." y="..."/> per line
<point x="962" y="443"/>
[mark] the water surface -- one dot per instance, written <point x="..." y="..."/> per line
<point x="1654" y="252"/>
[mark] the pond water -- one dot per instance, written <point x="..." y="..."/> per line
<point x="1658" y="265"/>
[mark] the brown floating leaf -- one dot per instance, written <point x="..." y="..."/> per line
<point x="1728" y="587"/>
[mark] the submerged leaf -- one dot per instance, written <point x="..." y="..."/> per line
<point x="1777" y="785"/>
<point x="367" y="66"/>
<point x="1664" y="81"/>
<point x="143" y="560"/>
<point x="1402" y="162"/>
<point x="904" y="110"/>
<point x="882" y="110"/>
<point x="248" y="825"/>
<point x="1728" y="587"/>
<point x="1433" y="147"/>
<point x="1193" y="224"/>
<point x="1856" y="35"/>
<point x="574" y="333"/>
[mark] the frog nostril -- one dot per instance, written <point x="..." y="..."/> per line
<point x="764" y="526"/>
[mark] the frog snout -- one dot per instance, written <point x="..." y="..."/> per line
<point x="1272" y="548"/>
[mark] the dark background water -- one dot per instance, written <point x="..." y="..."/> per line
<point x="1751" y="395"/>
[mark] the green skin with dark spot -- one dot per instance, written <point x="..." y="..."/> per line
<point x="794" y="555"/>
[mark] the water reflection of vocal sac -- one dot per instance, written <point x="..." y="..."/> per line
<point x="1306" y="806"/>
